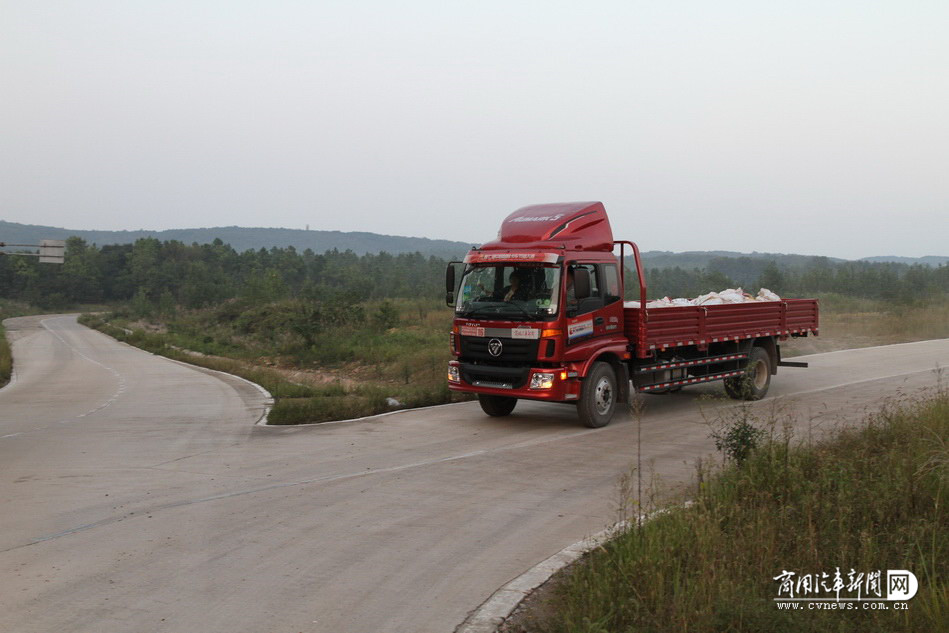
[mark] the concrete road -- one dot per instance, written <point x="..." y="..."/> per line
<point x="138" y="495"/>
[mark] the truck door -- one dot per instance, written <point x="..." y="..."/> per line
<point x="612" y="312"/>
<point x="601" y="313"/>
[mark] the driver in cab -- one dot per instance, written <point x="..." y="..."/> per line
<point x="517" y="288"/>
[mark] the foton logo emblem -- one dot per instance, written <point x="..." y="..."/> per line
<point x="495" y="347"/>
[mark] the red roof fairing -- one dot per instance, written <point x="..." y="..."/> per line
<point x="574" y="225"/>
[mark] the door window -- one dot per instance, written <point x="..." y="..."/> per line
<point x="611" y="287"/>
<point x="595" y="300"/>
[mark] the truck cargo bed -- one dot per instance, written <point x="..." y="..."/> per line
<point x="660" y="328"/>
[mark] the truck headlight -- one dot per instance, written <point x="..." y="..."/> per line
<point x="453" y="374"/>
<point x="542" y="380"/>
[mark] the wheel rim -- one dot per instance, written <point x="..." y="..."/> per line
<point x="760" y="376"/>
<point x="603" y="396"/>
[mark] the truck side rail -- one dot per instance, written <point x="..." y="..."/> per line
<point x="683" y="326"/>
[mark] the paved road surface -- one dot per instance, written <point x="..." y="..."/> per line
<point x="138" y="495"/>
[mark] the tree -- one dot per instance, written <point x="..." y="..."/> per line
<point x="386" y="317"/>
<point x="772" y="278"/>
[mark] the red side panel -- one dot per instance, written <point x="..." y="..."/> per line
<point x="577" y="225"/>
<point x="699" y="325"/>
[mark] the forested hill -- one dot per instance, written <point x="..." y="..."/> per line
<point x="704" y="259"/>
<point x="242" y="239"/>
<point x="153" y="273"/>
<point x="361" y="243"/>
<point x="931" y="260"/>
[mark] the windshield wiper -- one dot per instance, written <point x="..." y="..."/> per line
<point x="475" y="310"/>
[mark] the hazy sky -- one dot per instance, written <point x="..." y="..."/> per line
<point x="809" y="127"/>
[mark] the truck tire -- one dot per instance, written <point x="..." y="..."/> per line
<point x="598" y="399"/>
<point x="496" y="406"/>
<point x="754" y="383"/>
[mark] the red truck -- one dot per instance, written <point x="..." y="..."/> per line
<point x="540" y="315"/>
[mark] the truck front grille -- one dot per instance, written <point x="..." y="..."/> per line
<point x="512" y="350"/>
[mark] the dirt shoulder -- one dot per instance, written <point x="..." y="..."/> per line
<point x="852" y="330"/>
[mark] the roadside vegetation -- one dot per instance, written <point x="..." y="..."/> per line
<point x="849" y="322"/>
<point x="868" y="498"/>
<point x="6" y="358"/>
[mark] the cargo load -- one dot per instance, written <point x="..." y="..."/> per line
<point x="729" y="295"/>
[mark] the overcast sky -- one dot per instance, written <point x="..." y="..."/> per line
<point x="810" y="127"/>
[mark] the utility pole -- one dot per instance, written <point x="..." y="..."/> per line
<point x="50" y="251"/>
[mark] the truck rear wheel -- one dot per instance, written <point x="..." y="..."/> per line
<point x="598" y="400"/>
<point x="496" y="406"/>
<point x="754" y="383"/>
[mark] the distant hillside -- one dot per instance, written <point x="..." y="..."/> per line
<point x="247" y="238"/>
<point x="701" y="259"/>
<point x="242" y="239"/>
<point x="929" y="260"/>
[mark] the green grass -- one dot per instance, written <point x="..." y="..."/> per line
<point x="850" y="322"/>
<point x="8" y="309"/>
<point x="353" y="403"/>
<point x="11" y="308"/>
<point x="6" y="358"/>
<point x="870" y="498"/>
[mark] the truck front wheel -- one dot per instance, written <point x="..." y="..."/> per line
<point x="496" y="406"/>
<point x="754" y="383"/>
<point x="598" y="400"/>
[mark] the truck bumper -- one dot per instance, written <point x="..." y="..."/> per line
<point x="564" y="385"/>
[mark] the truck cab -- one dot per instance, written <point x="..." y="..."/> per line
<point x="537" y="307"/>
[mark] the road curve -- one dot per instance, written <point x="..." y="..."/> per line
<point x="138" y="495"/>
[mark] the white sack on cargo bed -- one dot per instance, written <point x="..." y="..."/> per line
<point x="729" y="295"/>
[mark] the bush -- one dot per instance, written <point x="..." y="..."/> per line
<point x="386" y="317"/>
<point x="737" y="439"/>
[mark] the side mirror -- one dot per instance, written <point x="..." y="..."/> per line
<point x="450" y="278"/>
<point x="450" y="284"/>
<point x="581" y="283"/>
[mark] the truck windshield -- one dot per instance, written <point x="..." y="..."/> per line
<point x="514" y="292"/>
